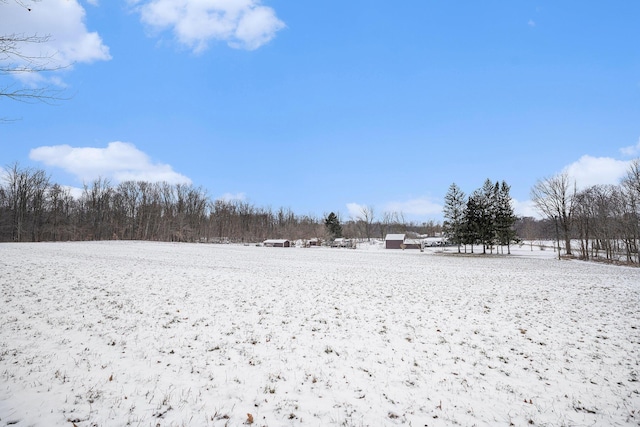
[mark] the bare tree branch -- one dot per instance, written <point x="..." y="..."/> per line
<point x="14" y="61"/>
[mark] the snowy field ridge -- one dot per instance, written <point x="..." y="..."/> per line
<point x="161" y="334"/>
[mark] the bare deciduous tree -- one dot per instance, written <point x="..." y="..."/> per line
<point x="24" y="193"/>
<point x="555" y="198"/>
<point x="364" y="221"/>
<point x="632" y="179"/>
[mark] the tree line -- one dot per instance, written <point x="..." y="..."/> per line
<point x="600" y="222"/>
<point x="34" y="209"/>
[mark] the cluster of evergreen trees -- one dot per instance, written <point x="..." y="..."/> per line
<point x="486" y="217"/>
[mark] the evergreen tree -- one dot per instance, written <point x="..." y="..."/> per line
<point x="487" y="197"/>
<point x="505" y="217"/>
<point x="472" y="220"/>
<point x="332" y="224"/>
<point x="454" y="215"/>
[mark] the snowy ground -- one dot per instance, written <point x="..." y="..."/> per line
<point x="159" y="334"/>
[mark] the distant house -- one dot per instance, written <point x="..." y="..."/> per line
<point x="277" y="243"/>
<point x="394" y="241"/>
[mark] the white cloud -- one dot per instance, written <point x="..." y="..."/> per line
<point x="531" y="23"/>
<point x="419" y="207"/>
<point x="525" y="209"/>
<point x="412" y="210"/>
<point x="230" y="197"/>
<point x="355" y="210"/>
<point x="589" y="171"/>
<point x="63" y="22"/>
<point x="244" y="24"/>
<point x="632" y="150"/>
<point x="586" y="172"/>
<point x="75" y="192"/>
<point x="119" y="161"/>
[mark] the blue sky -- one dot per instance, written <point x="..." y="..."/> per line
<point x="328" y="106"/>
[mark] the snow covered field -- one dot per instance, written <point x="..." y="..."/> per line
<point x="160" y="334"/>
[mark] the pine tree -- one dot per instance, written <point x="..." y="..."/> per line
<point x="332" y="224"/>
<point x="487" y="197"/>
<point x="454" y="215"/>
<point x="472" y="220"/>
<point x="505" y="218"/>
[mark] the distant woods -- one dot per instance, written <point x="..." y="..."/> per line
<point x="599" y="222"/>
<point x="33" y="209"/>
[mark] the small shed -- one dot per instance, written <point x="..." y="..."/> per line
<point x="412" y="244"/>
<point x="314" y="242"/>
<point x="277" y="243"/>
<point x="394" y="241"/>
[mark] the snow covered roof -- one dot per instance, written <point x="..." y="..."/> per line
<point x="394" y="237"/>
<point x="276" y="241"/>
<point x="413" y="241"/>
